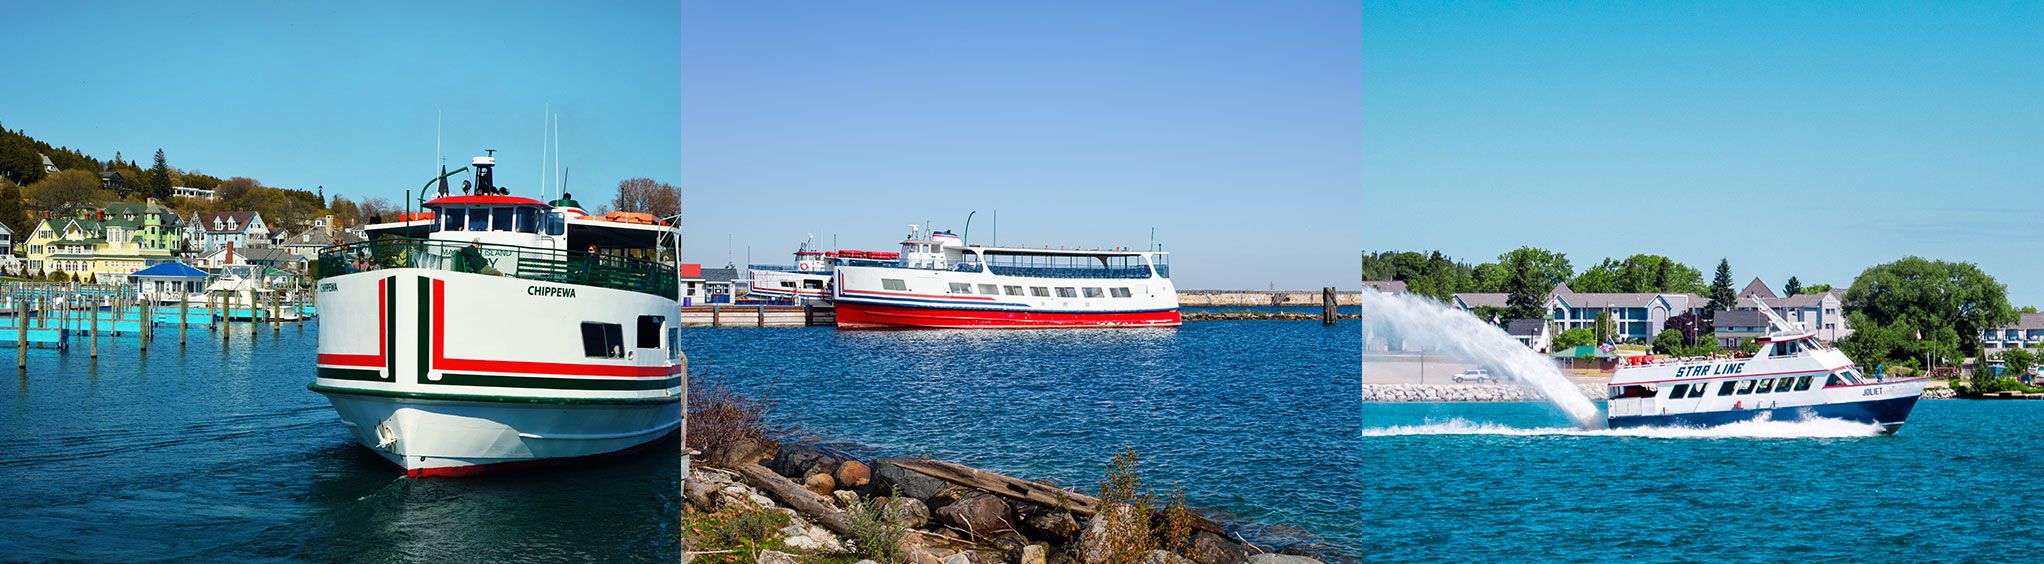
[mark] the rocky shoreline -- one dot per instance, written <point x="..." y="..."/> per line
<point x="1462" y="393"/>
<point x="924" y="511"/>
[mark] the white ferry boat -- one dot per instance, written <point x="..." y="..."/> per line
<point x="1791" y="377"/>
<point x="801" y="282"/>
<point x="937" y="281"/>
<point x="497" y="330"/>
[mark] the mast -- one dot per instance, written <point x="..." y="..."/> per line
<point x="545" y="116"/>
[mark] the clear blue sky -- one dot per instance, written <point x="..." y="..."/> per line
<point x="344" y="94"/>
<point x="1812" y="139"/>
<point x="1233" y="128"/>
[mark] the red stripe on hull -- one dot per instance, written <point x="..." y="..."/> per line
<point x="499" y="467"/>
<point x="442" y="362"/>
<point x="869" y="316"/>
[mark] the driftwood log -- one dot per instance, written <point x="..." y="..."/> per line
<point x="797" y="498"/>
<point x="1033" y="492"/>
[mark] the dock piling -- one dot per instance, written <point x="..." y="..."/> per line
<point x="184" y="306"/>
<point x="1327" y="310"/>
<point x="20" y="333"/>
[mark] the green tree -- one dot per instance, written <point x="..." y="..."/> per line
<point x="1607" y="330"/>
<point x="66" y="191"/>
<point x="1574" y="338"/>
<point x="1931" y="304"/>
<point x="1427" y="274"/>
<point x="1640" y="273"/>
<point x="1553" y="268"/>
<point x="1528" y="286"/>
<point x="1793" y="287"/>
<point x="1816" y="289"/>
<point x="12" y="213"/>
<point x="159" y="178"/>
<point x="1602" y="278"/>
<point x="2017" y="362"/>
<point x="1722" y="296"/>
<point x="1668" y="342"/>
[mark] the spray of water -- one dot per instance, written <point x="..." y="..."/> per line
<point x="1425" y="324"/>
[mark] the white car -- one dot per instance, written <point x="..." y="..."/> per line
<point x="1477" y="375"/>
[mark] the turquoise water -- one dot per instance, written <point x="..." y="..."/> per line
<point x="1255" y="419"/>
<point x="1483" y="482"/>
<point x="212" y="454"/>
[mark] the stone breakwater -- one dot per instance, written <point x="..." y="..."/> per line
<point x="1462" y="392"/>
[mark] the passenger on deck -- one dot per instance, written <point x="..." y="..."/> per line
<point x="470" y="259"/>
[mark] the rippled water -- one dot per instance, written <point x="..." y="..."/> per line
<point x="1252" y="418"/>
<point x="205" y="454"/>
<point x="1517" y="482"/>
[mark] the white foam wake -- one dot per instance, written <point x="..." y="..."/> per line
<point x="1424" y="324"/>
<point x="1811" y="428"/>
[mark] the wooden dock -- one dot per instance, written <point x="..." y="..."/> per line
<point x="749" y="315"/>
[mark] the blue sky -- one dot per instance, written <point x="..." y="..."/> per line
<point x="1233" y="128"/>
<point x="344" y="95"/>
<point x="1812" y="139"/>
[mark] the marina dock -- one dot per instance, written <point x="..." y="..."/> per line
<point x="67" y="316"/>
<point x="758" y="315"/>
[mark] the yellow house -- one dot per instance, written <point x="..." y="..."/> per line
<point x="109" y="249"/>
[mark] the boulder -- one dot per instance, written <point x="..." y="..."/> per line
<point x="1209" y="548"/>
<point x="1093" y="539"/>
<point x="908" y="511"/>
<point x="1164" y="557"/>
<point x="1046" y="524"/>
<point x="959" y="558"/>
<point x="801" y="461"/>
<point x="844" y="498"/>
<point x="776" y="557"/>
<point x="852" y="474"/>
<point x="977" y="512"/>
<point x="1038" y="553"/>
<point x="888" y="479"/>
<point x="820" y="484"/>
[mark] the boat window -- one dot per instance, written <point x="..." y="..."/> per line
<point x="1696" y="391"/>
<point x="893" y="284"/>
<point x="1745" y="387"/>
<point x="1831" y="380"/>
<point x="1067" y="292"/>
<point x="1119" y="292"/>
<point x="649" y="331"/>
<point x="1766" y="385"/>
<point x="673" y="343"/>
<point x="1678" y="391"/>
<point x="501" y="218"/>
<point x="1012" y="290"/>
<point x="1095" y="293"/>
<point x="961" y="288"/>
<point x="812" y="284"/>
<point x="1725" y="389"/>
<point x="1615" y="392"/>
<point x="603" y="340"/>
<point x="528" y="220"/>
<point x="1802" y="383"/>
<point x="455" y="218"/>
<point x="479" y="219"/>
<point x="989" y="289"/>
<point x="787" y="283"/>
<point x="556" y="223"/>
<point x="1039" y="291"/>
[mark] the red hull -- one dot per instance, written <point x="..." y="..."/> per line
<point x="479" y="469"/>
<point x="869" y="316"/>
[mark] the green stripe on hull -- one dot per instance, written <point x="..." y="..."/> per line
<point x="490" y="398"/>
<point x="389" y="287"/>
<point x="556" y="383"/>
<point x="350" y="374"/>
<point x="425" y="314"/>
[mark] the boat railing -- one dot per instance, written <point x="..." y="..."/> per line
<point x="529" y="263"/>
<point x="1067" y="272"/>
<point x="774" y="267"/>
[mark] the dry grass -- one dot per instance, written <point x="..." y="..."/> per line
<point x="720" y="416"/>
<point x="1125" y="504"/>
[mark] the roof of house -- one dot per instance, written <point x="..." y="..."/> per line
<point x="691" y="271"/>
<point x="1484" y="299"/>
<point x="310" y="237"/>
<point x="171" y="270"/>
<point x="241" y="219"/>
<point x="2027" y="321"/>
<point x="1525" y="327"/>
<point x="1621" y="299"/>
<point x="1756" y="287"/>
<point x="1810" y="300"/>
<point x="720" y="274"/>
<point x="271" y="254"/>
<point x="1740" y="318"/>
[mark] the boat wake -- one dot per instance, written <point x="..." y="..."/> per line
<point x="1812" y="428"/>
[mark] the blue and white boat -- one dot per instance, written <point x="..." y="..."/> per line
<point x="1793" y="376"/>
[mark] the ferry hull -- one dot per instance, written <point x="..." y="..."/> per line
<point x="1889" y="413"/>
<point x="854" y="315"/>
<point x="441" y="437"/>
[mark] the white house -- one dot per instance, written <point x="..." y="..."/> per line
<point x="209" y="232"/>
<point x="2027" y="332"/>
<point x="1823" y="313"/>
<point x="198" y="193"/>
